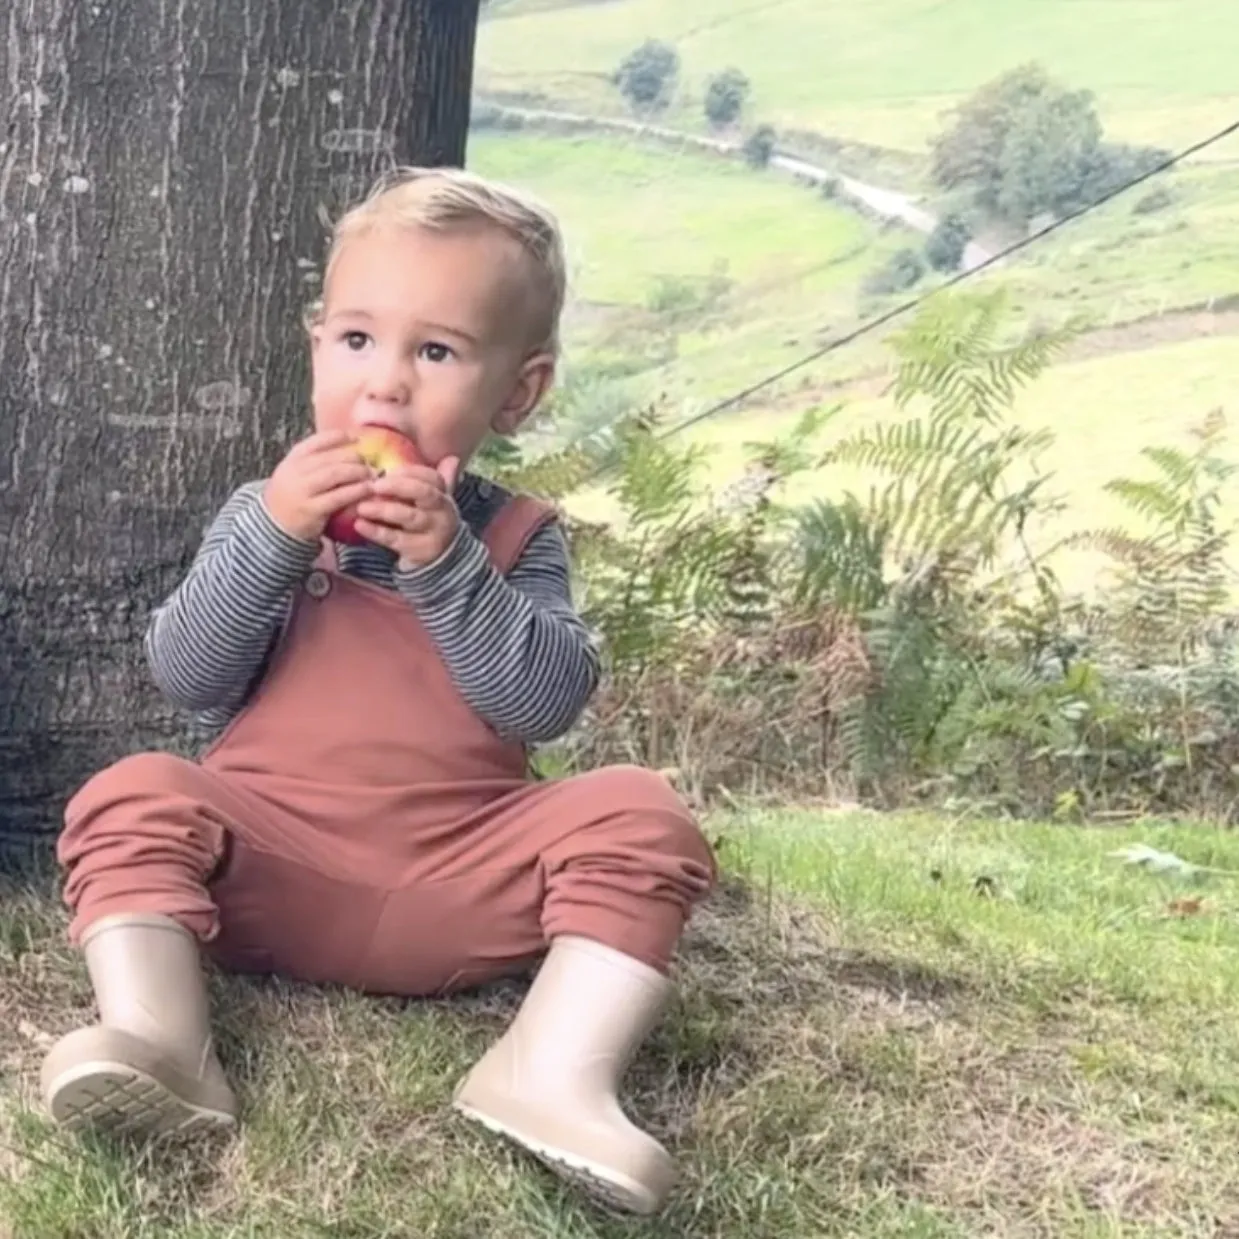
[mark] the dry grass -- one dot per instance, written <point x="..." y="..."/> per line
<point x="834" y="1068"/>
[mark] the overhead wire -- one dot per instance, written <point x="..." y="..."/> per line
<point x="873" y="324"/>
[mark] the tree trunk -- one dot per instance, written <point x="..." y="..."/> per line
<point x="165" y="175"/>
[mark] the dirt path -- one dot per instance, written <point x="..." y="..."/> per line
<point x="887" y="203"/>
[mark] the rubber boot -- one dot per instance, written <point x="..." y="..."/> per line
<point x="149" y="1066"/>
<point x="550" y="1082"/>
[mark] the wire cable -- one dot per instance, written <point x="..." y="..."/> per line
<point x="871" y="325"/>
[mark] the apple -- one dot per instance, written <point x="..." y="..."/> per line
<point x="383" y="449"/>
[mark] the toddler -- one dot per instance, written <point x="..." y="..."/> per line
<point x="366" y="816"/>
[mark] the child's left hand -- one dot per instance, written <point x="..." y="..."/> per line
<point x="412" y="512"/>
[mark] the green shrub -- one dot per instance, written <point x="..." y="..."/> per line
<point x="726" y="94"/>
<point x="647" y="75"/>
<point x="759" y="146"/>
<point x="946" y="245"/>
<point x="903" y="270"/>
<point x="903" y="643"/>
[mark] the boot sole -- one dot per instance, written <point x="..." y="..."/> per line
<point x="119" y="1098"/>
<point x="606" y="1186"/>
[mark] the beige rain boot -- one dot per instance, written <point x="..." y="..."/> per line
<point x="149" y="1065"/>
<point x="550" y="1082"/>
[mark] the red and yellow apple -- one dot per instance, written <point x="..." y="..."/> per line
<point x="383" y="449"/>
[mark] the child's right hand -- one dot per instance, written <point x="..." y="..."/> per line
<point x="320" y="475"/>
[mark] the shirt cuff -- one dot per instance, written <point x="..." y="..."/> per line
<point x="286" y="557"/>
<point x="427" y="584"/>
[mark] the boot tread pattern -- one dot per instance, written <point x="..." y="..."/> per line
<point x="121" y="1100"/>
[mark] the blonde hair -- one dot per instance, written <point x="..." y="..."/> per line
<point x="444" y="198"/>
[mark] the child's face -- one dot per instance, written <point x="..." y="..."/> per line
<point x="427" y="332"/>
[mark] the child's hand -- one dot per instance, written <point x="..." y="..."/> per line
<point x="320" y="475"/>
<point x="412" y="512"/>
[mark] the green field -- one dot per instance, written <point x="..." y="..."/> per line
<point x="793" y="263"/>
<point x="788" y="266"/>
<point x="636" y="216"/>
<point x="899" y="1027"/>
<point x="883" y="71"/>
<point x="633" y="214"/>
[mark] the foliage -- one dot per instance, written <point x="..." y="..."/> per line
<point x="945" y="246"/>
<point x="1173" y="580"/>
<point x="759" y="146"/>
<point x="1023" y="145"/>
<point x="647" y="75"/>
<point x="726" y="94"/>
<point x="904" y="269"/>
<point x="684" y="294"/>
<point x="902" y="640"/>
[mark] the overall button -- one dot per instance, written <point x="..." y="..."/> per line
<point x="318" y="584"/>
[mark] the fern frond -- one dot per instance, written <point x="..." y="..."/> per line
<point x="841" y="557"/>
<point x="554" y="475"/>
<point x="950" y="355"/>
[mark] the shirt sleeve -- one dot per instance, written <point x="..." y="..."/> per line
<point x="515" y="646"/>
<point x="207" y="643"/>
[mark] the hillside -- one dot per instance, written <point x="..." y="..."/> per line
<point x="696" y="277"/>
<point x="884" y="71"/>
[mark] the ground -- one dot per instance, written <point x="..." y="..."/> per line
<point x="884" y="71"/>
<point x="765" y="271"/>
<point x="889" y="1026"/>
<point x="694" y="279"/>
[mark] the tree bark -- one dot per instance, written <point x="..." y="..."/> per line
<point x="165" y="176"/>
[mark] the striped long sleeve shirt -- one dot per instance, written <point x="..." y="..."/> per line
<point x="515" y="646"/>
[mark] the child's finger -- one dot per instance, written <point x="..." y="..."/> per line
<point x="385" y="535"/>
<point x="328" y="501"/>
<point x="333" y="474"/>
<point x="394" y="513"/>
<point x="432" y="477"/>
<point x="412" y="489"/>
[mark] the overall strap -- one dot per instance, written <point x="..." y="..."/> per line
<point x="508" y="532"/>
<point x="327" y="556"/>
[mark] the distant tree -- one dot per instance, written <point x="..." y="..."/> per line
<point x="726" y="95"/>
<point x="647" y="75"/>
<point x="1051" y="154"/>
<point x="944" y="250"/>
<point x="1117" y="164"/>
<point x="969" y="152"/>
<point x="1024" y="144"/>
<point x="759" y="146"/>
<point x="901" y="271"/>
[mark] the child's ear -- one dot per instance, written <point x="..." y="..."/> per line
<point x="532" y="384"/>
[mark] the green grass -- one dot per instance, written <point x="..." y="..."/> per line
<point x="636" y="216"/>
<point x="1102" y="410"/>
<point x="885" y="70"/>
<point x="633" y="214"/>
<point x="889" y="1026"/>
<point x="880" y="72"/>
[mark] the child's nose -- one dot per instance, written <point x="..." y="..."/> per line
<point x="389" y="385"/>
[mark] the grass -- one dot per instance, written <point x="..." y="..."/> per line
<point x="636" y="216"/>
<point x="883" y="71"/>
<point x="1155" y="395"/>
<point x="792" y="268"/>
<point x="889" y="1026"/>
<point x="789" y="265"/>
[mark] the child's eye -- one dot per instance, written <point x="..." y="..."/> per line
<point x="435" y="352"/>
<point x="355" y="340"/>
